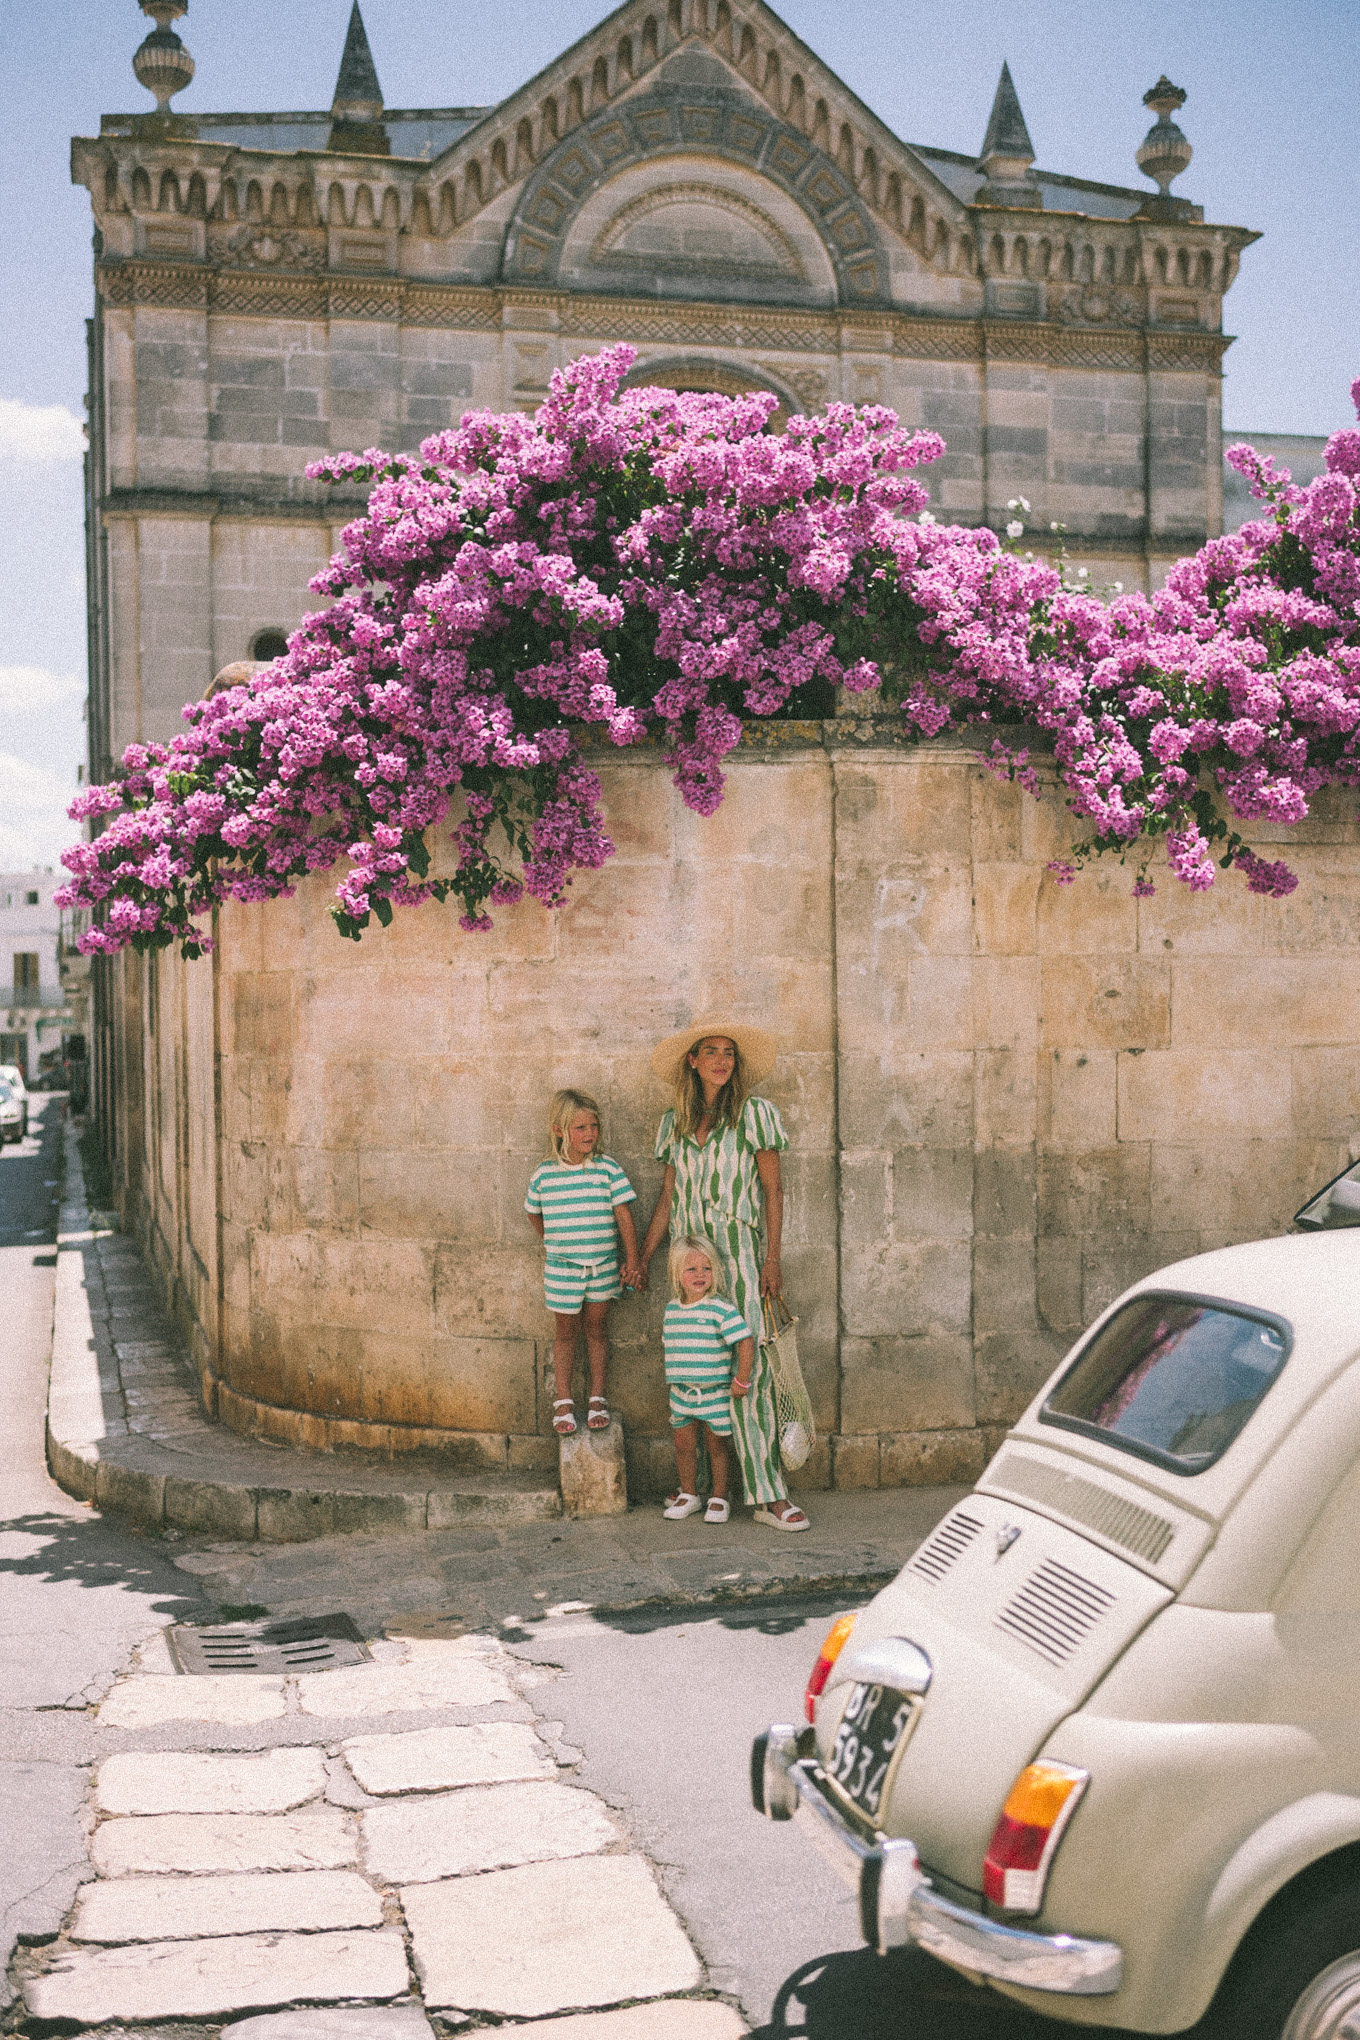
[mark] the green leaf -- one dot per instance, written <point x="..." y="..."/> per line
<point x="382" y="907"/>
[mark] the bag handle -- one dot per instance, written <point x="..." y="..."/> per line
<point x="777" y="1317"/>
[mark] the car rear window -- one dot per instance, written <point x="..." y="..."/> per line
<point x="1171" y="1378"/>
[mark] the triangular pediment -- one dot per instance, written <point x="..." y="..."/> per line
<point x="636" y="52"/>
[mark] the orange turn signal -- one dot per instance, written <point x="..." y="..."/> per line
<point x="1038" y="1807"/>
<point x="837" y="1637"/>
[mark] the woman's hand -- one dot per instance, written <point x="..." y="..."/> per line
<point x="771" y="1277"/>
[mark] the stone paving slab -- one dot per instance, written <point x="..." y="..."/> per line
<point x="358" y="2022"/>
<point x="665" y="2019"/>
<point x="207" y="1979"/>
<point x="435" y="1759"/>
<point x="236" y="1701"/>
<point x="193" y="1782"/>
<point x="548" y="1937"/>
<point x="449" y="1674"/>
<point x="196" y="1908"/>
<point x="316" y="1838"/>
<point x="488" y="1827"/>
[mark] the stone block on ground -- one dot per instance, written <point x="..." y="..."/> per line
<point x="451" y="1673"/>
<point x="235" y="1701"/>
<point x="665" y="2019"/>
<point x="317" y="1838"/>
<point x="249" y="1902"/>
<point x="356" y="2022"/>
<point x="436" y="1759"/>
<point x="195" y="1782"/>
<point x="549" y="1937"/>
<point x="206" y="1979"/>
<point x="492" y="1827"/>
<point x="594" y="1471"/>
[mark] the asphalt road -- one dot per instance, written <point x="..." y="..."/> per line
<point x="665" y="1711"/>
<point x="77" y="1591"/>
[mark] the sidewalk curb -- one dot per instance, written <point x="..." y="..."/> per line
<point x="84" y="1457"/>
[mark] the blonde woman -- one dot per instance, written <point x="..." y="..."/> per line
<point x="577" y="1203"/>
<point x="721" y="1148"/>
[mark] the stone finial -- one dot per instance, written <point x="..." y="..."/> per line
<point x="162" y="63"/>
<point x="1007" y="152"/>
<point x="357" y="108"/>
<point x="1164" y="151"/>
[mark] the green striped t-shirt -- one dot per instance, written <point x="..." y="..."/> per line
<point x="697" y="1338"/>
<point x="578" y="1203"/>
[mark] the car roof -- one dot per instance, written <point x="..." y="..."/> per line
<point x="1313" y="1279"/>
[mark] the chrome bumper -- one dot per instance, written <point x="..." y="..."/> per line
<point x="897" y="1902"/>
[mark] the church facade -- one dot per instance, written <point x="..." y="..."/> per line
<point x="688" y="178"/>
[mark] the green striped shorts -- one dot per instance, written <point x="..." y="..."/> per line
<point x="569" y="1284"/>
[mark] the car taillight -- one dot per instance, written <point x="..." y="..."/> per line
<point x="1038" y="1807"/>
<point x="826" y="1658"/>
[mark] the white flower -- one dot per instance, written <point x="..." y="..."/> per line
<point x="1015" y="529"/>
<point x="1083" y="573"/>
<point x="1055" y="526"/>
<point x="1119" y="587"/>
<point x="926" y="517"/>
<point x="1019" y="504"/>
<point x="1014" y="503"/>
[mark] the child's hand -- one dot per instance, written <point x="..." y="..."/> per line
<point x="739" y="1387"/>
<point x="634" y="1276"/>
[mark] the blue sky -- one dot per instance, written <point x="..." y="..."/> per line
<point x="1270" y="114"/>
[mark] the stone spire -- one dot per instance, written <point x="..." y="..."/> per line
<point x="1007" y="152"/>
<point x="1164" y="151"/>
<point x="162" y="63"/>
<point x="357" y="108"/>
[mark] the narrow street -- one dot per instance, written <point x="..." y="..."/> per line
<point x="511" y="1824"/>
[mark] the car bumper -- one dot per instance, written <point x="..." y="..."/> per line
<point x="899" y="1905"/>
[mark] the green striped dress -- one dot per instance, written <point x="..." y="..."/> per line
<point x="718" y="1197"/>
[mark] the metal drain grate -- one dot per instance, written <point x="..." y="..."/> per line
<point x="314" y="1643"/>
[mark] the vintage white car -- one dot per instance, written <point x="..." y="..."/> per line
<point x="1099" y="1742"/>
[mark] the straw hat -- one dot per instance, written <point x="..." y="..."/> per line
<point x="759" y="1051"/>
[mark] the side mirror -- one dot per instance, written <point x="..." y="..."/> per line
<point x="1335" y="1205"/>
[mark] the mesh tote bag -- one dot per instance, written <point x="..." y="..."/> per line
<point x="792" y="1403"/>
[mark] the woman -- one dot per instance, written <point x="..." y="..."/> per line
<point x="721" y="1148"/>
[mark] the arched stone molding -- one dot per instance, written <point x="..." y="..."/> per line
<point x="706" y="121"/>
<point x="727" y="378"/>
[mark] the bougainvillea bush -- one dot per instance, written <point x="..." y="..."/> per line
<point x="630" y="563"/>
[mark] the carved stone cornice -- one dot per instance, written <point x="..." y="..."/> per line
<point x="578" y="316"/>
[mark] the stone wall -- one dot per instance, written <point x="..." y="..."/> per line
<point x="1007" y="1099"/>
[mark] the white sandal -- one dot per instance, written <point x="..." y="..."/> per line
<point x="718" y="1510"/>
<point x="683" y="1505"/>
<point x="795" y="1520"/>
<point x="564" y="1416"/>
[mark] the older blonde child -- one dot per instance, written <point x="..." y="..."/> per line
<point x="577" y="1203"/>
<point x="703" y="1334"/>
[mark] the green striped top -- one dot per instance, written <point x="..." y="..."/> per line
<point x="698" y="1337"/>
<point x="578" y="1201"/>
<point x="721" y="1175"/>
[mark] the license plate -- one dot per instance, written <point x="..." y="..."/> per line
<point x="874" y="1731"/>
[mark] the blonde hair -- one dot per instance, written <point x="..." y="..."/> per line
<point x="689" y="1091"/>
<point x="563" y="1109"/>
<point x="695" y="1243"/>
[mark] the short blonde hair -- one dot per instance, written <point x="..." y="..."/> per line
<point x="695" y="1243"/>
<point x="563" y="1109"/>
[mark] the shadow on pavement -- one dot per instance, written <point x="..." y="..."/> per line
<point x="90" y="1552"/>
<point x="771" y="1614"/>
<point x="863" y="1996"/>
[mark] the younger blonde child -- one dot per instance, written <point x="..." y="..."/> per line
<point x="577" y="1203"/>
<point x="703" y="1334"/>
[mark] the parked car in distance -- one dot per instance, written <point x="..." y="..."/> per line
<point x="13" y="1115"/>
<point x="1099" y="1742"/>
<point x="11" y="1074"/>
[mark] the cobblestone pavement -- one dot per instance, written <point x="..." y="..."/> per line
<point x="377" y="1852"/>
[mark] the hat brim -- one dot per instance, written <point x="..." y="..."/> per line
<point x="759" y="1051"/>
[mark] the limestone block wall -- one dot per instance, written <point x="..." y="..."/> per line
<point x="1007" y="1099"/>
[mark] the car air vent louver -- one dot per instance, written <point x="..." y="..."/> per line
<point x="1054" y="1611"/>
<point x="939" y="1552"/>
<point x="1141" y="1531"/>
